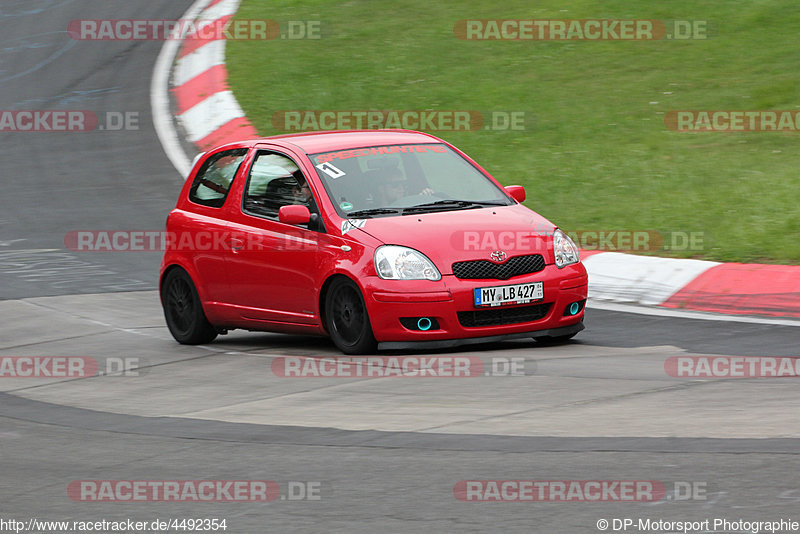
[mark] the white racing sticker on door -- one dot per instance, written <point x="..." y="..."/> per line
<point x="331" y="170"/>
<point x="352" y="224"/>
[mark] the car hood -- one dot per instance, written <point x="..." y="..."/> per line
<point x="450" y="236"/>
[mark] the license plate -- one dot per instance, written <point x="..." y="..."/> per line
<point x="513" y="294"/>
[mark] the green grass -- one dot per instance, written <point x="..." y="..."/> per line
<point x="598" y="154"/>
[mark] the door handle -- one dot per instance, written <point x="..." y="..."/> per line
<point x="236" y="244"/>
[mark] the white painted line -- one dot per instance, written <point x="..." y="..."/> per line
<point x="646" y="280"/>
<point x="684" y="314"/>
<point x="206" y="117"/>
<point x="159" y="98"/>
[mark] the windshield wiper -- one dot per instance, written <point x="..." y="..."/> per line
<point x="451" y="204"/>
<point x="372" y="211"/>
<point x="491" y="203"/>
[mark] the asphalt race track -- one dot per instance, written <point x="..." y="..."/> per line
<point x="382" y="454"/>
<point x="56" y="182"/>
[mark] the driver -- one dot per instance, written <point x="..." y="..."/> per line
<point x="393" y="187"/>
<point x="301" y="191"/>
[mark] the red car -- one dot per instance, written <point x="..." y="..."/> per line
<point x="378" y="239"/>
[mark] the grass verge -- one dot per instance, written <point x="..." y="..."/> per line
<point x="596" y="153"/>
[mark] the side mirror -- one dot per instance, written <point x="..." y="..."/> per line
<point x="294" y="214"/>
<point x="517" y="192"/>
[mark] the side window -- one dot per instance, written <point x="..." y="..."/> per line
<point x="213" y="180"/>
<point x="275" y="181"/>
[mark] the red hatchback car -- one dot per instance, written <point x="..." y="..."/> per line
<point x="378" y="239"/>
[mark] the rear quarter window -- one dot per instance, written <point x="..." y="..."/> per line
<point x="213" y="181"/>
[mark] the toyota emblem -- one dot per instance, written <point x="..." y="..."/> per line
<point x="498" y="256"/>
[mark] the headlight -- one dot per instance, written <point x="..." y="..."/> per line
<point x="565" y="250"/>
<point x="402" y="263"/>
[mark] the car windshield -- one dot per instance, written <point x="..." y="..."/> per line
<point x="403" y="179"/>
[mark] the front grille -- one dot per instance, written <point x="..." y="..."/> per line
<point x="487" y="270"/>
<point x="499" y="316"/>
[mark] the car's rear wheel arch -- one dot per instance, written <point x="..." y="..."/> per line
<point x="183" y="308"/>
<point x="164" y="276"/>
<point x="190" y="272"/>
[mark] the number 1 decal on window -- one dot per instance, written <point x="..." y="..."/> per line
<point x="331" y="170"/>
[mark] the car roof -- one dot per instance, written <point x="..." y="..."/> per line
<point x="314" y="142"/>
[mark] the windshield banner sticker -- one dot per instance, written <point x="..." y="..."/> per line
<point x="358" y="152"/>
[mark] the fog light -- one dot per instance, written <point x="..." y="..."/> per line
<point x="574" y="308"/>
<point x="420" y="324"/>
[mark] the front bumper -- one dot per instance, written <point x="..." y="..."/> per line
<point x="389" y="300"/>
<point x="447" y="343"/>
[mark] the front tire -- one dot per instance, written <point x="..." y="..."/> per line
<point x="183" y="311"/>
<point x="347" y="320"/>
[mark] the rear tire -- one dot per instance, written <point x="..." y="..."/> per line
<point x="347" y="320"/>
<point x="183" y="311"/>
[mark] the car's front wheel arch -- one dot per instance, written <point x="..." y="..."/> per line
<point x="323" y="293"/>
<point x="364" y="343"/>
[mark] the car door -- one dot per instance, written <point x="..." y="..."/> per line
<point x="273" y="267"/>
